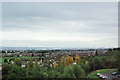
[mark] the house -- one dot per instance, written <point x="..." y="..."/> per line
<point x="24" y="64"/>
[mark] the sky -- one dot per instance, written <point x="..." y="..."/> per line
<point x="60" y="24"/>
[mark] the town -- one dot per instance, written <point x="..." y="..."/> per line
<point x="54" y="60"/>
<point x="46" y="55"/>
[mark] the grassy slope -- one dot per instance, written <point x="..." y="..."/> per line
<point x="93" y="74"/>
<point x="114" y="71"/>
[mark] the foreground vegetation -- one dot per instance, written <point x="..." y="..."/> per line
<point x="93" y="74"/>
<point x="64" y="69"/>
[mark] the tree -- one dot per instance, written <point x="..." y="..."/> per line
<point x="59" y="68"/>
<point x="54" y="65"/>
<point x="3" y="51"/>
<point x="71" y="60"/>
<point x="68" y="72"/>
<point x="36" y="67"/>
<point x="38" y="74"/>
<point x="62" y="60"/>
<point x="5" y="69"/>
<point x="78" y="71"/>
<point x="85" y="66"/>
<point x="65" y="61"/>
<point x="68" y="60"/>
<point x="17" y="73"/>
<point x="77" y="59"/>
<point x="109" y="50"/>
<point x="36" y="63"/>
<point x="118" y="59"/>
<point x="18" y="62"/>
<point x="30" y="65"/>
<point x="97" y="63"/>
<point x="91" y="63"/>
<point x="96" y="53"/>
<point x="28" y="68"/>
<point x="49" y="65"/>
<point x="51" y="74"/>
<point x="105" y="61"/>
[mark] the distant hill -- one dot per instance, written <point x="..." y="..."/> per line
<point x="43" y="48"/>
<point x="28" y="48"/>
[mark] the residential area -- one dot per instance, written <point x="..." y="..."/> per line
<point x="89" y="60"/>
<point x="47" y="55"/>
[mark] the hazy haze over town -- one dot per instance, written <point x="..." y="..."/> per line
<point x="61" y="24"/>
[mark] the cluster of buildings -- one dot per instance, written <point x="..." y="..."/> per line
<point x="49" y="56"/>
<point x="53" y="53"/>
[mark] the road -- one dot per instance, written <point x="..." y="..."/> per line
<point x="113" y="77"/>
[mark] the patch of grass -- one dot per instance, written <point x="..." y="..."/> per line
<point x="114" y="71"/>
<point x="93" y="74"/>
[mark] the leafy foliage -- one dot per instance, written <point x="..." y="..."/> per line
<point x="64" y="69"/>
<point x="78" y="71"/>
<point x="18" y="62"/>
<point x="17" y="73"/>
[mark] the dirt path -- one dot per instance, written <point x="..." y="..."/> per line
<point x="113" y="77"/>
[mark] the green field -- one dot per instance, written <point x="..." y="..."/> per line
<point x="93" y="74"/>
<point x="114" y="71"/>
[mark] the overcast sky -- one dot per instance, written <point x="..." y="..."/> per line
<point x="63" y="24"/>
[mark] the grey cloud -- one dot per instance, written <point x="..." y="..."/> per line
<point x="22" y="13"/>
<point x="62" y="19"/>
<point x="73" y="44"/>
